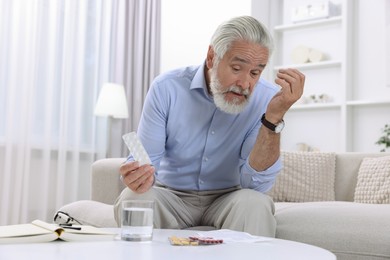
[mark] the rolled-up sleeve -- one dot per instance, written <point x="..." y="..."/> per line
<point x="260" y="181"/>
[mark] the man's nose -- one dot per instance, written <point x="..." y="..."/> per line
<point x="244" y="82"/>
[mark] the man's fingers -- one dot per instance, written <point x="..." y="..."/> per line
<point x="292" y="76"/>
<point x="128" y="167"/>
<point x="138" y="177"/>
<point x="294" y="73"/>
<point x="292" y="83"/>
<point x="146" y="185"/>
<point x="283" y="83"/>
<point x="291" y="80"/>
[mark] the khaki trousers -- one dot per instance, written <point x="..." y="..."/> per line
<point x="236" y="209"/>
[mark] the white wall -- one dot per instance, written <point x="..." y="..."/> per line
<point x="370" y="73"/>
<point x="387" y="11"/>
<point x="187" y="26"/>
<point x="370" y="50"/>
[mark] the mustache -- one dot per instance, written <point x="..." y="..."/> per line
<point x="237" y="90"/>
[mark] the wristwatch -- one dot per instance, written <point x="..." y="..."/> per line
<point x="275" y="128"/>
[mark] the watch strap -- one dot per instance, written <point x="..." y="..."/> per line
<point x="268" y="124"/>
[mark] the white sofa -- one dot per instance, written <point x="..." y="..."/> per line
<point x="349" y="229"/>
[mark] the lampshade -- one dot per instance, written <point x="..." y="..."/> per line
<point x="112" y="101"/>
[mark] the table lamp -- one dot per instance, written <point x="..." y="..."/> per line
<point x="111" y="103"/>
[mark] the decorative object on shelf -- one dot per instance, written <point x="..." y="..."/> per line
<point x="384" y="140"/>
<point x="312" y="11"/>
<point x="316" y="55"/>
<point x="300" y="54"/>
<point x="321" y="98"/>
<point x="303" y="54"/>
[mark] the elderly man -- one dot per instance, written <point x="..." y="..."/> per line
<point x="213" y="135"/>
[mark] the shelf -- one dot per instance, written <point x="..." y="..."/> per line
<point x="302" y="25"/>
<point x="354" y="103"/>
<point x="368" y="103"/>
<point x="316" y="65"/>
<point x="315" y="106"/>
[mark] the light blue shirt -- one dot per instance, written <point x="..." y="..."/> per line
<point x="194" y="145"/>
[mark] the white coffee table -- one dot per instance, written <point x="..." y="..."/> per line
<point x="160" y="248"/>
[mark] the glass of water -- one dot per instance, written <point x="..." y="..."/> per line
<point x="137" y="220"/>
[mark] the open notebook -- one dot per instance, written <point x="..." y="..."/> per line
<point x="40" y="231"/>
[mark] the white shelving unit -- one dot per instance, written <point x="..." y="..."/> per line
<point x="308" y="66"/>
<point x="349" y="121"/>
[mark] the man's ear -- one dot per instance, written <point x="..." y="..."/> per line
<point x="210" y="57"/>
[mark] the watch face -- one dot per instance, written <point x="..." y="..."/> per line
<point x="279" y="127"/>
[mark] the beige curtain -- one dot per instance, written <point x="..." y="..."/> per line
<point x="135" y="60"/>
<point x="54" y="58"/>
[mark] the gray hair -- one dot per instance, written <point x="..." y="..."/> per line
<point x="244" y="28"/>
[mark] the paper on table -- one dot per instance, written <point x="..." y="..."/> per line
<point x="231" y="236"/>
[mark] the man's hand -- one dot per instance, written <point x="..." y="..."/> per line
<point x="137" y="178"/>
<point x="291" y="82"/>
<point x="267" y="147"/>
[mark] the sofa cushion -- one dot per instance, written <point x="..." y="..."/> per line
<point x="93" y="213"/>
<point x="306" y="176"/>
<point x="350" y="230"/>
<point x="373" y="185"/>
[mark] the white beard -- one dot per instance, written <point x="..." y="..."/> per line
<point x="231" y="107"/>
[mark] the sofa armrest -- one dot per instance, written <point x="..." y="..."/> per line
<point x="105" y="183"/>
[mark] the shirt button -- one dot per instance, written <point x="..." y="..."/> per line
<point x="212" y="132"/>
<point x="205" y="159"/>
<point x="201" y="182"/>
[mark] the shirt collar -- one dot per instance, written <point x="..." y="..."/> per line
<point x="199" y="80"/>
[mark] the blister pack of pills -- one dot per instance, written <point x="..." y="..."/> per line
<point x="136" y="148"/>
<point x="182" y="241"/>
<point x="194" y="241"/>
<point x="206" y="240"/>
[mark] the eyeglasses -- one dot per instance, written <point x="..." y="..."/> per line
<point x="64" y="218"/>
